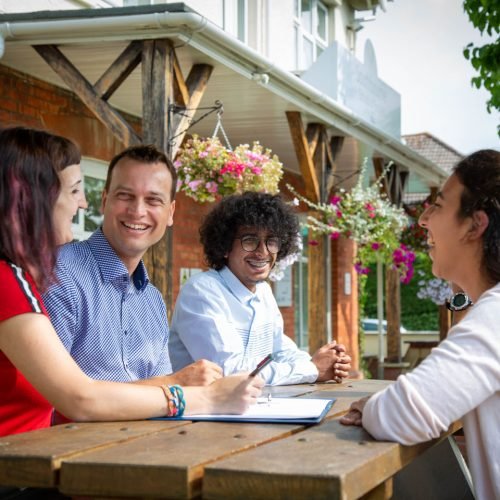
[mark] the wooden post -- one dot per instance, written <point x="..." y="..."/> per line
<point x="393" y="186"/>
<point x="444" y="321"/>
<point x="157" y="91"/>
<point x="317" y="321"/>
<point x="393" y="315"/>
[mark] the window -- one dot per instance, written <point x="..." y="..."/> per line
<point x="242" y="20"/>
<point x="311" y="31"/>
<point x="94" y="177"/>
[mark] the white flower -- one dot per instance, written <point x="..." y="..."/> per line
<point x="434" y="289"/>
<point x="278" y="271"/>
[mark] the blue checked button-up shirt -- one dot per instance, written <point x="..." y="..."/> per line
<point x="218" y="318"/>
<point x="114" y="326"/>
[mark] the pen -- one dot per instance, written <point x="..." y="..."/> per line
<point x="262" y="364"/>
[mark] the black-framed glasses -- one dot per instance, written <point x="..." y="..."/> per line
<point x="251" y="243"/>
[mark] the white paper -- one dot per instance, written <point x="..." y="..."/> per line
<point x="277" y="408"/>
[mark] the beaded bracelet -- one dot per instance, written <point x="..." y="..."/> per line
<point x="171" y="404"/>
<point x="175" y="400"/>
<point x="178" y="395"/>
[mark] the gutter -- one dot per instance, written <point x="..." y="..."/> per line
<point x="196" y="31"/>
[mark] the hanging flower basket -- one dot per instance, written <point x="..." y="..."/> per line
<point x="368" y="218"/>
<point x="207" y="170"/>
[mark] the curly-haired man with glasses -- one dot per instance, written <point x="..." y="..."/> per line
<point x="229" y="315"/>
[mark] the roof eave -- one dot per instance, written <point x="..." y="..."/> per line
<point x="195" y="30"/>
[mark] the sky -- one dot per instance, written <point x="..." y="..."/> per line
<point x="418" y="46"/>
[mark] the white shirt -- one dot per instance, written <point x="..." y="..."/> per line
<point x="218" y="318"/>
<point x="459" y="380"/>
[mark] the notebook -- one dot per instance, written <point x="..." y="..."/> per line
<point x="276" y="410"/>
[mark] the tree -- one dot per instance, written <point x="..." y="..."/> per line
<point x="485" y="15"/>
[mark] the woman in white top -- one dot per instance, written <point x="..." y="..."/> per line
<point x="461" y="377"/>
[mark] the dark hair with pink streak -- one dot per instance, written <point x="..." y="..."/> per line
<point x="29" y="185"/>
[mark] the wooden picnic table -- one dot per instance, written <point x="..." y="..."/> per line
<point x="175" y="459"/>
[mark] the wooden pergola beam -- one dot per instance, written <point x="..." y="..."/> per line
<point x="196" y="85"/>
<point x="303" y="152"/>
<point x="88" y="95"/>
<point x="119" y="70"/>
<point x="156" y="91"/>
<point x="181" y="92"/>
<point x="313" y="134"/>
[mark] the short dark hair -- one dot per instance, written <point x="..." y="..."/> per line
<point x="250" y="209"/>
<point x="29" y="186"/>
<point x="480" y="175"/>
<point x="145" y="153"/>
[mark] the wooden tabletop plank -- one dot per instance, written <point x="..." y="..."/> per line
<point x="345" y="393"/>
<point x="325" y="461"/>
<point x="167" y="464"/>
<point x="34" y="458"/>
<point x="172" y="463"/>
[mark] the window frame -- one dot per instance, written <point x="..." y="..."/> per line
<point x="301" y="33"/>
<point x="96" y="169"/>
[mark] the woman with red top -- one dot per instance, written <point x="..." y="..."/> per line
<point x="40" y="192"/>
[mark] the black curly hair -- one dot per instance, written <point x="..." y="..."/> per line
<point x="259" y="210"/>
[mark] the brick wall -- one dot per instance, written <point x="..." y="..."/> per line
<point x="345" y="310"/>
<point x="33" y="103"/>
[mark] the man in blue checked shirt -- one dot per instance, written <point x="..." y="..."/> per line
<point x="229" y="314"/>
<point x="108" y="315"/>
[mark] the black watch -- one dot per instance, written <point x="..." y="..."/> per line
<point x="458" y="302"/>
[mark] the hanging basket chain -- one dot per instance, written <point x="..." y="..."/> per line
<point x="220" y="127"/>
<point x="181" y="110"/>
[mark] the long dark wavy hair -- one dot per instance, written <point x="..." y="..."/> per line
<point x="29" y="186"/>
<point x="259" y="210"/>
<point x="480" y="175"/>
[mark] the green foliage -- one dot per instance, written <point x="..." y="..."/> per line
<point x="363" y="299"/>
<point x="416" y="314"/>
<point x="485" y="16"/>
<point x="93" y="192"/>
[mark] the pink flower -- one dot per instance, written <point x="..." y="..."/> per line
<point x="335" y="235"/>
<point x="256" y="170"/>
<point x="335" y="200"/>
<point x="313" y="243"/>
<point x="375" y="246"/>
<point x="339" y="214"/>
<point x="254" y="156"/>
<point x="360" y="269"/>
<point x="177" y="163"/>
<point x="194" y="184"/>
<point x="233" y="168"/>
<point x="211" y="187"/>
<point x="203" y="154"/>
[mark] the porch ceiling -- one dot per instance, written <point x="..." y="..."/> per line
<point x="251" y="112"/>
